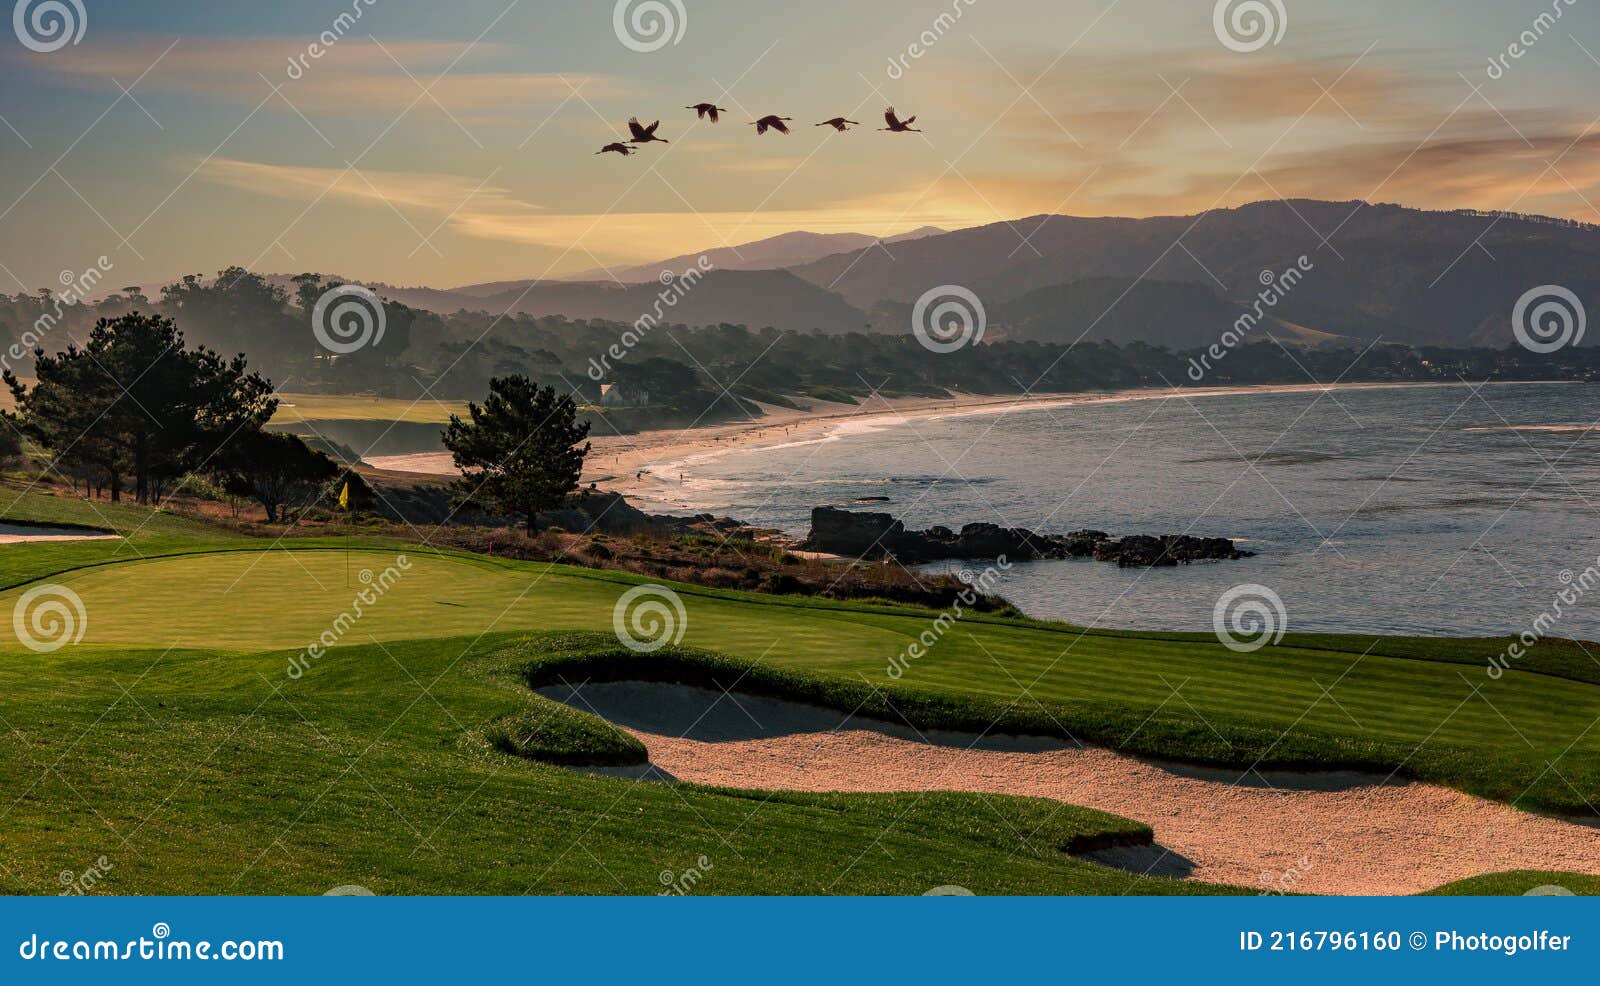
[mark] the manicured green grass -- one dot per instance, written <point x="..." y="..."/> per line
<point x="218" y="774"/>
<point x="296" y="408"/>
<point x="1522" y="882"/>
<point x="1425" y="716"/>
<point x="175" y="741"/>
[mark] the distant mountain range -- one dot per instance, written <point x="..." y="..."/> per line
<point x="1405" y="275"/>
<point x="755" y="298"/>
<point x="786" y="250"/>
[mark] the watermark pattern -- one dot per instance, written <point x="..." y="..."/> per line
<point x="49" y="25"/>
<point x="1249" y="617"/>
<point x="1278" y="884"/>
<point x="649" y="617"/>
<point x="949" y="318"/>
<point x="1249" y="25"/>
<point x="649" y="25"/>
<point x="342" y="25"/>
<point x="680" y="884"/>
<point x="1549" y="318"/>
<point x="674" y="288"/>
<point x="1543" y="24"/>
<point x="377" y="586"/>
<point x="347" y="319"/>
<point x="1576" y="588"/>
<point x="929" y="38"/>
<point x="159" y="947"/>
<point x="81" y="884"/>
<point x="978" y="586"/>
<point x="1274" y="288"/>
<point x="49" y="617"/>
<point x="75" y="288"/>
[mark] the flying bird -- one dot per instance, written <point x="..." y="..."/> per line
<point x="622" y="149"/>
<point x="643" y="134"/>
<point x="895" y="124"/>
<point x="706" y="111"/>
<point x="839" y="123"/>
<point x="772" y="123"/>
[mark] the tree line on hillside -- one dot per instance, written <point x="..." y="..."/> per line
<point x="136" y="410"/>
<point x="675" y="375"/>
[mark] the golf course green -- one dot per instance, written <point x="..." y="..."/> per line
<point x="237" y="718"/>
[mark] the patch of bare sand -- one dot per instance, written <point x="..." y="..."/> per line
<point x="29" y="534"/>
<point x="1331" y="833"/>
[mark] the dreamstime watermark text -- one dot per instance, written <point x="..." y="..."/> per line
<point x="377" y="586"/>
<point x="74" y="289"/>
<point x="929" y="38"/>
<point x="674" y="288"/>
<point x="977" y="586"/>
<point x="159" y="947"/>
<point x="342" y="25"/>
<point x="1576" y="587"/>
<point x="1274" y="288"/>
<point x="682" y="884"/>
<point x="1500" y="63"/>
<point x="82" y="884"/>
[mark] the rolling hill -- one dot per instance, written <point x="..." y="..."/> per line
<point x="1407" y="275"/>
<point x="785" y="250"/>
<point x="756" y="298"/>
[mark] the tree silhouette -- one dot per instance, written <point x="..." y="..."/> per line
<point x="275" y="469"/>
<point x="521" y="450"/>
<point x="135" y="400"/>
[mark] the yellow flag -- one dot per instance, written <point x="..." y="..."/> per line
<point x="344" y="497"/>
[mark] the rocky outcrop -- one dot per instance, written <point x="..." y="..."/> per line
<point x="872" y="535"/>
<point x="864" y="534"/>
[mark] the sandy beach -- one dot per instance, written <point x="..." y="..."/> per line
<point x="635" y="463"/>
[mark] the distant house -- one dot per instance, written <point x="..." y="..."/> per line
<point x="624" y="393"/>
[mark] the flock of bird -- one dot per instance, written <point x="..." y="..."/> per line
<point x="711" y="111"/>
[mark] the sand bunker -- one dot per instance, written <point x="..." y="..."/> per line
<point x="1332" y="833"/>
<point x="27" y="533"/>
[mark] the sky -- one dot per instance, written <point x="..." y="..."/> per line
<point x="454" y="143"/>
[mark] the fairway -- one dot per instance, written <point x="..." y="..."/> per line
<point x="404" y="756"/>
<point x="1173" y="697"/>
<point x="296" y="408"/>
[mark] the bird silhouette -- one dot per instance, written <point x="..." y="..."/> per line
<point x="839" y="123"/>
<point x="772" y="123"/>
<point x="706" y="111"/>
<point x="643" y="134"/>
<point x="896" y="126"/>
<point x="622" y="149"/>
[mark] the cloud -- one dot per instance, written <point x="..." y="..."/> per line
<point x="1555" y="171"/>
<point x="424" y="191"/>
<point x="493" y="213"/>
<point x="1180" y="131"/>
<point x="357" y="74"/>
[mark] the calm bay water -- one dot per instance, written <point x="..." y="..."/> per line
<point x="1407" y="510"/>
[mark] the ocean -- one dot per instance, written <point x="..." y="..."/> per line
<point x="1449" y="510"/>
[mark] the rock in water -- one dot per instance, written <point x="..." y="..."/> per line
<point x="879" y="535"/>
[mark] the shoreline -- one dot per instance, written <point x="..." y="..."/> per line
<point x="634" y="464"/>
